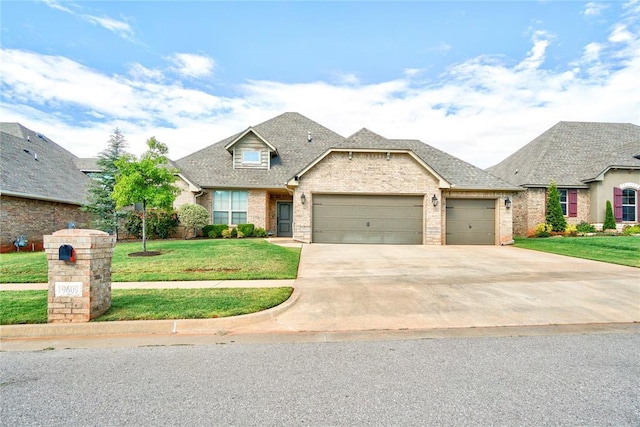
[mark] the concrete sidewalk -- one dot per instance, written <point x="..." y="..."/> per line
<point x="165" y="285"/>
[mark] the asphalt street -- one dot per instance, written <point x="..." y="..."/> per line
<point x="589" y="379"/>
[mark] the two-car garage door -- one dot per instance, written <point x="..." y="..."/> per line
<point x="367" y="219"/>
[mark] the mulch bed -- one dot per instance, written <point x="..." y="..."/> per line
<point x="147" y="253"/>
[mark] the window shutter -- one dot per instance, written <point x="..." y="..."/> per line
<point x="617" y="204"/>
<point x="573" y="202"/>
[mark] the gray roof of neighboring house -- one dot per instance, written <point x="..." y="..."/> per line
<point x="88" y="164"/>
<point x="54" y="176"/>
<point x="212" y="166"/>
<point x="571" y="154"/>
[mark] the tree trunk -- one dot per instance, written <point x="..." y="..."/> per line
<point x="144" y="226"/>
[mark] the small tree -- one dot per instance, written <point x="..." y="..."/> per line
<point x="192" y="216"/>
<point x="609" y="220"/>
<point x="100" y="204"/>
<point x="148" y="180"/>
<point x="554" y="210"/>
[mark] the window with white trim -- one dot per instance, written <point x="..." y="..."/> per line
<point x="564" y="200"/>
<point x="230" y="207"/>
<point x="251" y="157"/>
<point x="629" y="204"/>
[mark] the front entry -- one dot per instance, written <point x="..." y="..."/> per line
<point x="285" y="221"/>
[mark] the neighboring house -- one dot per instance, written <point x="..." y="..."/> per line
<point x="298" y="179"/>
<point x="590" y="164"/>
<point x="41" y="187"/>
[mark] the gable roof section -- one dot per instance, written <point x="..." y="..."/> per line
<point x="456" y="173"/>
<point x="229" y="146"/>
<point x="212" y="166"/>
<point x="54" y="176"/>
<point x="572" y="154"/>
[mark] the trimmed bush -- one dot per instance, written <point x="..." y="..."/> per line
<point x="571" y="230"/>
<point x="585" y="227"/>
<point x="259" y="232"/>
<point x="609" y="220"/>
<point x="229" y="233"/>
<point x="160" y="223"/>
<point x="628" y="230"/>
<point x="543" y="230"/>
<point x="214" y="230"/>
<point x="192" y="216"/>
<point x="246" y="229"/>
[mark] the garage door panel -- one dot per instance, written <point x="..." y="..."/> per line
<point x="367" y="219"/>
<point x="470" y="222"/>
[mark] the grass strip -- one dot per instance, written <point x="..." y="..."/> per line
<point x="205" y="259"/>
<point x="622" y="250"/>
<point x="28" y="307"/>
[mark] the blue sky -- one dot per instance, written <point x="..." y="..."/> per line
<point x="476" y="79"/>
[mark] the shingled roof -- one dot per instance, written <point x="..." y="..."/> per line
<point x="572" y="154"/>
<point x="32" y="166"/>
<point x="458" y="173"/>
<point x="288" y="133"/>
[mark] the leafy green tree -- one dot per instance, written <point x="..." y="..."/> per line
<point x="554" y="210"/>
<point x="609" y="220"/>
<point x="192" y="216"/>
<point x="147" y="180"/>
<point x="100" y="204"/>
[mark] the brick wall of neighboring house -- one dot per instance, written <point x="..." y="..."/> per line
<point x="529" y="210"/>
<point x="504" y="219"/>
<point x="34" y="219"/>
<point x="367" y="173"/>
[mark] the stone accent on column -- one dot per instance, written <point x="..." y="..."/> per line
<point x="79" y="289"/>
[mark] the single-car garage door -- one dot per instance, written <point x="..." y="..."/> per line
<point x="471" y="222"/>
<point x="367" y="219"/>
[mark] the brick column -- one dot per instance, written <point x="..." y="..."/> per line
<point x="80" y="289"/>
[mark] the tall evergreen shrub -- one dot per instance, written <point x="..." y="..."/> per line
<point x="609" y="220"/>
<point x="554" y="210"/>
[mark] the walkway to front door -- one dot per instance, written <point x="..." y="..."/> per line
<point x="285" y="228"/>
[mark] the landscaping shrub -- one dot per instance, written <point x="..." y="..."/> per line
<point x="259" y="232"/>
<point x="631" y="229"/>
<point x="214" y="230"/>
<point x="160" y="223"/>
<point x="229" y="232"/>
<point x="192" y="216"/>
<point x="246" y="229"/>
<point x="554" y="210"/>
<point x="609" y="220"/>
<point x="584" y="227"/>
<point x="239" y="234"/>
<point x="543" y="230"/>
<point x="571" y="230"/>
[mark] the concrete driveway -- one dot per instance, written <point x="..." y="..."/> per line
<point x="372" y="287"/>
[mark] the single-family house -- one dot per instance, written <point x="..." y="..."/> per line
<point x="41" y="187"/>
<point x="591" y="163"/>
<point x="298" y="179"/>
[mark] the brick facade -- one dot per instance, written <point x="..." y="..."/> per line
<point x="35" y="218"/>
<point x="91" y="270"/>
<point x="530" y="208"/>
<point x="367" y="173"/>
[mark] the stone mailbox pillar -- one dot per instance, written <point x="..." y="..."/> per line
<point x="79" y="274"/>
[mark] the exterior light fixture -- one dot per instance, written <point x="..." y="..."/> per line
<point x="507" y="203"/>
<point x="434" y="200"/>
<point x="303" y="199"/>
<point x="350" y="155"/>
<point x="388" y="155"/>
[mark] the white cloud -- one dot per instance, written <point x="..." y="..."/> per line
<point x="480" y="110"/>
<point x="594" y="9"/>
<point x="191" y="65"/>
<point x="119" y="27"/>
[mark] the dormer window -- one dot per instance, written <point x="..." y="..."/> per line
<point x="251" y="157"/>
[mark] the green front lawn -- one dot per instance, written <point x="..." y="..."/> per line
<point x="624" y="250"/>
<point x="27" y="307"/>
<point x="232" y="259"/>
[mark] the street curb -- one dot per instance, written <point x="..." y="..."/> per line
<point x="178" y="326"/>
